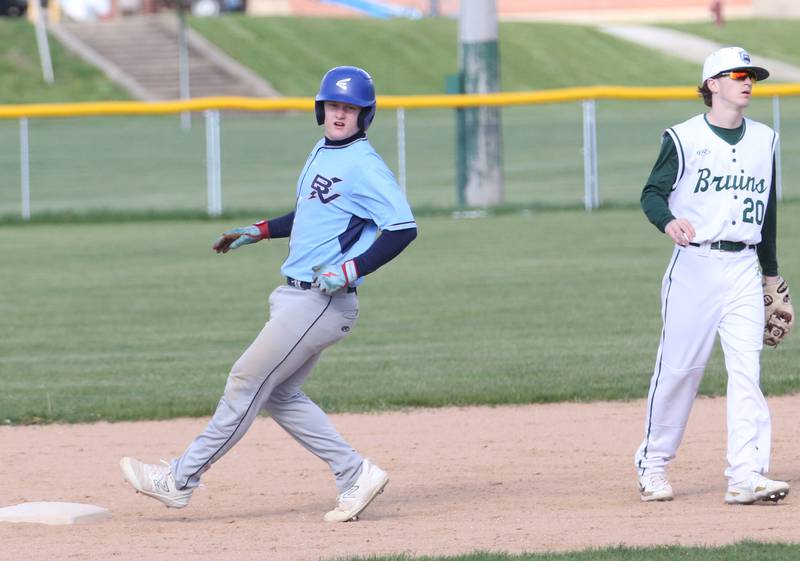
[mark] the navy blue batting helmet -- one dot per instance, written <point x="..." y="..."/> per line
<point x="347" y="84"/>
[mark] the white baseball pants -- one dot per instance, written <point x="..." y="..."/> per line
<point x="705" y="292"/>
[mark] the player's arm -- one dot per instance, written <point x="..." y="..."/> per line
<point x="280" y="227"/>
<point x="656" y="194"/>
<point x="386" y="247"/>
<point x="767" y="251"/>
<point x="779" y="316"/>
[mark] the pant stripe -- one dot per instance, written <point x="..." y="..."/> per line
<point x="660" y="358"/>
<point x="261" y="387"/>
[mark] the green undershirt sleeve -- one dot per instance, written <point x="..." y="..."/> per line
<point x="659" y="185"/>
<point x="767" y="252"/>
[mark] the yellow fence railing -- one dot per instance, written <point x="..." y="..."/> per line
<point x="212" y="106"/>
<point x="38" y="110"/>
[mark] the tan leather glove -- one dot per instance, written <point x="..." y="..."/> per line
<point x="778" y="312"/>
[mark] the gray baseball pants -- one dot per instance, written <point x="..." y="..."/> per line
<point x="302" y="323"/>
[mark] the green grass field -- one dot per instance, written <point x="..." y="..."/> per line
<point x="22" y="73"/>
<point x="775" y="38"/>
<point x="293" y="53"/>
<point x="143" y="320"/>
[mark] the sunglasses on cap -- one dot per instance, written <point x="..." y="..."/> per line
<point x="739" y="75"/>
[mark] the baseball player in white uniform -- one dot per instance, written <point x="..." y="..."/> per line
<point x="345" y="196"/>
<point x="712" y="192"/>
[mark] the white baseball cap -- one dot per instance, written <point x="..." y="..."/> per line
<point x="731" y="58"/>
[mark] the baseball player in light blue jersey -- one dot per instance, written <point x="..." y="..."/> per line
<point x="345" y="196"/>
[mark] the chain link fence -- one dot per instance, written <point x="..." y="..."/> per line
<point x="150" y="164"/>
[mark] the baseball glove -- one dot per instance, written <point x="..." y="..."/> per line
<point x="778" y="312"/>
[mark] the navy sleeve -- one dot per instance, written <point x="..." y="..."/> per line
<point x="281" y="227"/>
<point x="386" y="247"/>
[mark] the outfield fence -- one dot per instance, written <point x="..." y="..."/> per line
<point x="559" y="147"/>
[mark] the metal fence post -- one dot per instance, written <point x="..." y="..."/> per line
<point x="183" y="65"/>
<point x="401" y="147"/>
<point x="25" y="168"/>
<point x="776" y="124"/>
<point x="42" y="42"/>
<point x="591" y="188"/>
<point x="213" y="163"/>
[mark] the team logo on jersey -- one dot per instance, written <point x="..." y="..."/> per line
<point x="703" y="152"/>
<point x="321" y="187"/>
<point x="728" y="182"/>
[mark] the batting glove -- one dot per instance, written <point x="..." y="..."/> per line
<point x="331" y="278"/>
<point x="232" y="239"/>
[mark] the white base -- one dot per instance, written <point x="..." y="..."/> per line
<point x="53" y="513"/>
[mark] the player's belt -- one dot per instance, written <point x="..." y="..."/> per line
<point x="724" y="245"/>
<point x="305" y="285"/>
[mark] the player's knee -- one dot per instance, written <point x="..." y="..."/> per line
<point x="281" y="396"/>
<point x="241" y="382"/>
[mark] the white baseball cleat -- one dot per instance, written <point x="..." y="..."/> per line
<point x="655" y="487"/>
<point x="354" y="500"/>
<point x="155" y="481"/>
<point x="759" y="488"/>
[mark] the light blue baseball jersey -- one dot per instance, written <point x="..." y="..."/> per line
<point x="345" y="195"/>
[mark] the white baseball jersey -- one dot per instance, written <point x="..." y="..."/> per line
<point x="722" y="189"/>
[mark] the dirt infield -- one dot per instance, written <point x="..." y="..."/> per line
<point x="514" y="479"/>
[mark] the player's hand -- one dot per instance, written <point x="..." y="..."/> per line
<point x="237" y="237"/>
<point x="332" y="278"/>
<point x="778" y="310"/>
<point x="681" y="231"/>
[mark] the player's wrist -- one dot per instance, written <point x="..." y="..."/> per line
<point x="350" y="271"/>
<point x="263" y="229"/>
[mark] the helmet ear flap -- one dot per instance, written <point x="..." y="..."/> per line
<point x="365" y="117"/>
<point x="319" y="109"/>
<point x="362" y="115"/>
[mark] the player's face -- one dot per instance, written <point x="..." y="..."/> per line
<point x="734" y="88"/>
<point x="341" y="120"/>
